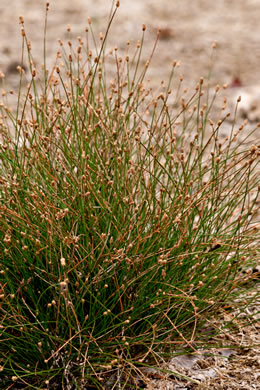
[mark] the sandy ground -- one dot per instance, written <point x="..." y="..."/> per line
<point x="188" y="30"/>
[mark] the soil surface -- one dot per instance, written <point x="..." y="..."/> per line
<point x="188" y="29"/>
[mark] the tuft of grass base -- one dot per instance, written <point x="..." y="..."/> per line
<point x="124" y="220"/>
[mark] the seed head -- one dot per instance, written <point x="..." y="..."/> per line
<point x="63" y="286"/>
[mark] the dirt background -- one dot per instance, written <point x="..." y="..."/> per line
<point x="188" y="30"/>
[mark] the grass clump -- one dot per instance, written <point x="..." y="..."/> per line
<point x="124" y="221"/>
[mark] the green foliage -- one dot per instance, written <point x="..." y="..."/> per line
<point x="124" y="222"/>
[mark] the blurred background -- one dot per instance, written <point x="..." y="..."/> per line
<point x="188" y="30"/>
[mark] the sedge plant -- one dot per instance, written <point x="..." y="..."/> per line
<point x="125" y="220"/>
